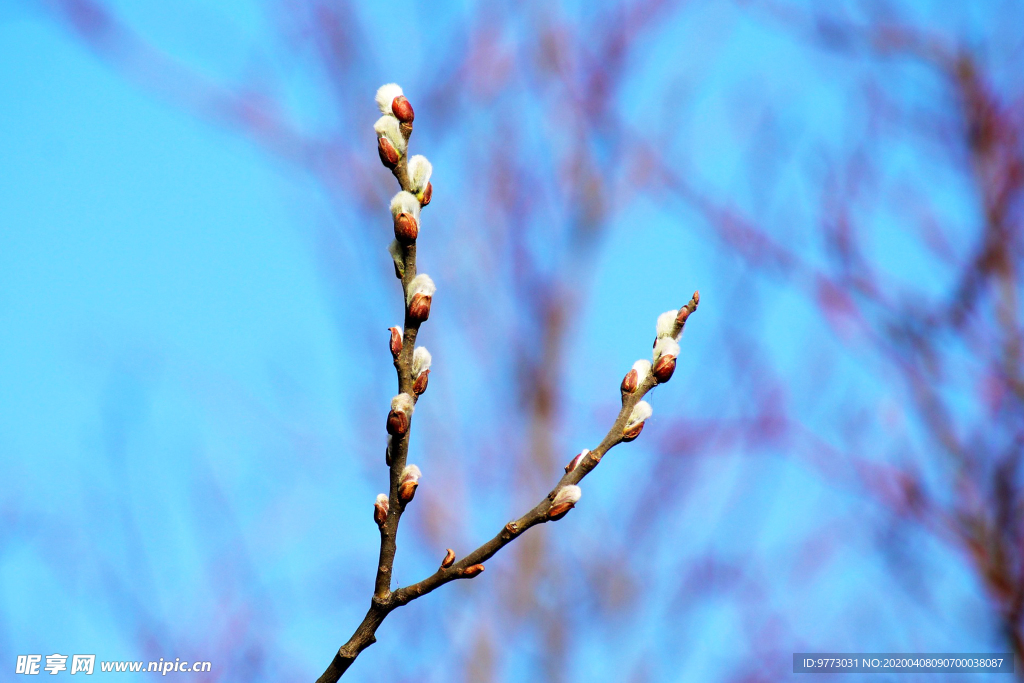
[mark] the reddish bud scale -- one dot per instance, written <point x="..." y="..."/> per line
<point x="560" y="510"/>
<point x="402" y="109"/>
<point x="388" y="153"/>
<point x="398" y="423"/>
<point x="664" y="368"/>
<point x="428" y="192"/>
<point x="407" y="228"/>
<point x="631" y="433"/>
<point x="380" y="513"/>
<point x="630" y="381"/>
<point x="449" y="559"/>
<point x="420" y="385"/>
<point x="574" y="463"/>
<point x="396" y="341"/>
<point x="419" y="307"/>
<point x="472" y="570"/>
<point x="406" y="491"/>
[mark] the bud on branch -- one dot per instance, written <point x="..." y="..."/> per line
<point x="565" y="500"/>
<point x="419" y="296"/>
<point x="380" y="509"/>
<point x="402" y="407"/>
<point x="635" y="424"/>
<point x="420" y="369"/>
<point x="419" y="177"/>
<point x="409" y="481"/>
<point x="636" y="376"/>
<point x="449" y="559"/>
<point x="396" y="341"/>
<point x="574" y="463"/>
<point x="405" y="211"/>
<point x="666" y="350"/>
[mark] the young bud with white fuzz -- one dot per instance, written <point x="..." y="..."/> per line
<point x="396" y="341"/>
<point x="402" y="407"/>
<point x="427" y="194"/>
<point x="405" y="212"/>
<point x="380" y="509"/>
<point x="635" y="424"/>
<point x="385" y="98"/>
<point x="565" y="500"/>
<point x="666" y="350"/>
<point x="666" y="323"/>
<point x="419" y="175"/>
<point x="420" y="369"/>
<point x="449" y="559"/>
<point x="471" y="571"/>
<point x="395" y="249"/>
<point x="408" y="483"/>
<point x="390" y="141"/>
<point x="574" y="463"/>
<point x="419" y="297"/>
<point x="635" y="377"/>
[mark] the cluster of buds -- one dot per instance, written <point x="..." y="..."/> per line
<point x="402" y="407"/>
<point x="396" y="341"/>
<point x="635" y="423"/>
<point x="405" y="211"/>
<point x="636" y="376"/>
<point x="420" y="369"/>
<point x="380" y="509"/>
<point x="574" y="463"/>
<point x="395" y="126"/>
<point x="419" y="296"/>
<point x="407" y="484"/>
<point x="564" y="500"/>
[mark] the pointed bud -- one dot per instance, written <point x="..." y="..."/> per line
<point x="689" y="308"/>
<point x="449" y="559"/>
<point x="574" y="463"/>
<point x="405" y="210"/>
<point x="402" y="110"/>
<point x="386" y="96"/>
<point x="408" y="483"/>
<point x="396" y="341"/>
<point x="427" y="194"/>
<point x="395" y="249"/>
<point x="635" y="424"/>
<point x="402" y="407"/>
<point x="564" y="500"/>
<point x="472" y="570"/>
<point x="380" y="509"/>
<point x="419" y="296"/>
<point x="635" y="377"/>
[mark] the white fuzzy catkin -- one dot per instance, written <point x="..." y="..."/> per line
<point x="403" y="403"/>
<point x="386" y="94"/>
<point x="405" y="202"/>
<point x="643" y="368"/>
<point x="421" y="284"/>
<point x="419" y="173"/>
<point x="641" y="411"/>
<point x="382" y="500"/>
<point x="666" y="346"/>
<point x="395" y="249"/>
<point x="411" y="473"/>
<point x="420" y="361"/>
<point x="666" y="322"/>
<point x="567" y="494"/>
<point x="387" y="126"/>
